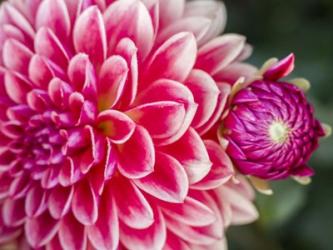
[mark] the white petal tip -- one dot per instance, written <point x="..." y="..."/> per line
<point x="302" y="180"/>
<point x="327" y="129"/>
<point x="261" y="185"/>
<point x="268" y="64"/>
<point x="302" y="83"/>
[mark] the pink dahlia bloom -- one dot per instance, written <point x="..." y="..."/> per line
<point x="271" y="128"/>
<point x="102" y="107"/>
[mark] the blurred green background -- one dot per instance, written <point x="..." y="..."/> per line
<point x="296" y="217"/>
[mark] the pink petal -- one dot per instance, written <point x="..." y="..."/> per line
<point x="16" y="56"/>
<point x="225" y="91"/>
<point x="170" y="11"/>
<point x="167" y="90"/>
<point x="191" y="212"/>
<point x="161" y="119"/>
<point x="53" y="14"/>
<point x="41" y="71"/>
<point x="89" y="35"/>
<point x="174" y="59"/>
<point x="49" y="46"/>
<point x="69" y="173"/>
<point x="243" y="211"/>
<point x="17" y="19"/>
<point x="174" y="242"/>
<point x="113" y="75"/>
<point x="28" y="8"/>
<point x="153" y="237"/>
<point x="168" y="182"/>
<point x="281" y="69"/>
<point x="196" y="25"/>
<point x="38" y="100"/>
<point x="190" y="151"/>
<point x="104" y="234"/>
<point x="84" y="204"/>
<point x="72" y="234"/>
<point x="221" y="171"/>
<point x="204" y="235"/>
<point x="54" y="244"/>
<point x="40" y="230"/>
<point x="135" y="210"/>
<point x="60" y="200"/>
<point x="129" y="19"/>
<point x="20" y="186"/>
<point x="219" y="53"/>
<point x="35" y="202"/>
<point x="16" y="87"/>
<point x="233" y="72"/>
<point x="127" y="49"/>
<point x="206" y="93"/>
<point x="13" y="214"/>
<point x="59" y="92"/>
<point x="214" y="11"/>
<point x="141" y="149"/>
<point x="82" y="75"/>
<point x="116" y="125"/>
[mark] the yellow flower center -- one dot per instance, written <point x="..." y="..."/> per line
<point x="278" y="132"/>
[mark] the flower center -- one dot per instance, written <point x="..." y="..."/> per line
<point x="278" y="132"/>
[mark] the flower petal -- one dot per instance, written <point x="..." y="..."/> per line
<point x="60" y="200"/>
<point x="116" y="125"/>
<point x="168" y="182"/>
<point x="220" y="52"/>
<point x="170" y="11"/>
<point x="89" y="35"/>
<point x="168" y="90"/>
<point x="129" y="19"/>
<point x="49" y="46"/>
<point x="173" y="60"/>
<point x="134" y="211"/>
<point x="197" y="25"/>
<point x="127" y="49"/>
<point x="16" y="87"/>
<point x="141" y="149"/>
<point x="221" y="171"/>
<point x="104" y="234"/>
<point x="204" y="235"/>
<point x="214" y="11"/>
<point x="13" y="213"/>
<point x="72" y="234"/>
<point x="206" y="93"/>
<point x="53" y="14"/>
<point x="82" y="75"/>
<point x="84" y="204"/>
<point x="161" y="119"/>
<point x="40" y="230"/>
<point x="191" y="212"/>
<point x="35" y="202"/>
<point x="41" y="71"/>
<point x="151" y="238"/>
<point x="16" y="56"/>
<point x="190" y="151"/>
<point x="112" y="78"/>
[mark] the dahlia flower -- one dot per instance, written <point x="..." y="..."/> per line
<point x="104" y="105"/>
<point x="270" y="127"/>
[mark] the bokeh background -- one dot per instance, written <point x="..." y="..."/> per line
<point x="296" y="217"/>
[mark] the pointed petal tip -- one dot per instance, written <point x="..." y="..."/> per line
<point x="301" y="83"/>
<point x="280" y="69"/>
<point x="262" y="186"/>
<point x="327" y="129"/>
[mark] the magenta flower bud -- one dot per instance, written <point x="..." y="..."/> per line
<point x="271" y="128"/>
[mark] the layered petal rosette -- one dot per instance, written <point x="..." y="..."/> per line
<point x="270" y="127"/>
<point x="102" y="107"/>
